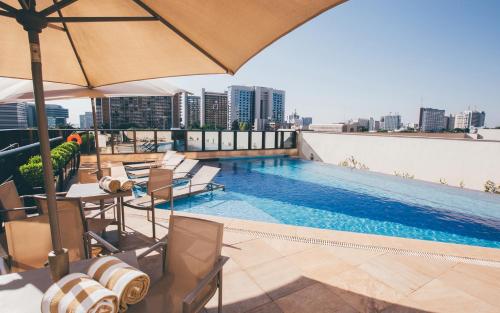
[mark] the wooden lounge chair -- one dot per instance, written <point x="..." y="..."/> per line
<point x="158" y="190"/>
<point x="170" y="164"/>
<point x="146" y="165"/>
<point x="192" y="266"/>
<point x="29" y="240"/>
<point x="180" y="172"/>
<point x="11" y="204"/>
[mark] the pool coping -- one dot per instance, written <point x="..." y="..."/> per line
<point x="393" y="245"/>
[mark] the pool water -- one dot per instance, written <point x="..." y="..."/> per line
<point x="305" y="193"/>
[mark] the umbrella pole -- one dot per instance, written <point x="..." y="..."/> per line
<point x="58" y="258"/>
<point x="96" y="140"/>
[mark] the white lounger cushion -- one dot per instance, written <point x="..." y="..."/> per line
<point x="172" y="163"/>
<point x="147" y="165"/>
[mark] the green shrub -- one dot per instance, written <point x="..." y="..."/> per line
<point x="32" y="173"/>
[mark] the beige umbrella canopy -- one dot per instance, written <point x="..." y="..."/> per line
<point x="95" y="43"/>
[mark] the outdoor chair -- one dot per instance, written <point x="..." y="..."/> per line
<point x="146" y="165"/>
<point x="170" y="164"/>
<point x="192" y="267"/>
<point x="158" y="190"/>
<point x="12" y="205"/>
<point x="180" y="172"/>
<point x="29" y="240"/>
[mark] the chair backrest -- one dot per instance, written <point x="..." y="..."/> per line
<point x="203" y="177"/>
<point x="71" y="224"/>
<point x="158" y="178"/>
<point x="28" y="242"/>
<point x="9" y="199"/>
<point x="168" y="155"/>
<point x="89" y="175"/>
<point x="174" y="161"/>
<point x="186" y="166"/>
<point x="193" y="248"/>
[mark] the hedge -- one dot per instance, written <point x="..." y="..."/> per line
<point x="32" y="171"/>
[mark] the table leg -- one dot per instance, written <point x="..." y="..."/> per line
<point x="123" y="213"/>
<point x="119" y="215"/>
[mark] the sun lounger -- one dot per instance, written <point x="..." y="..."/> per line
<point x="192" y="267"/>
<point x="146" y="165"/>
<point x="170" y="164"/>
<point x="180" y="172"/>
<point x="201" y="182"/>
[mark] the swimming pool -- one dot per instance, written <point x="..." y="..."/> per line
<point x="299" y="192"/>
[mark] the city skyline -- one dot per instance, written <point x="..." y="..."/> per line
<point x="450" y="60"/>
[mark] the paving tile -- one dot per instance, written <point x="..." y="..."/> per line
<point x="480" y="289"/>
<point x="252" y="252"/>
<point x="437" y="296"/>
<point x="319" y="263"/>
<point x="362" y="291"/>
<point x="484" y="273"/>
<point x="279" y="277"/>
<point x="315" y="298"/>
<point x="285" y="247"/>
<point x="395" y="274"/>
<point x="239" y="294"/>
<point x="267" y="308"/>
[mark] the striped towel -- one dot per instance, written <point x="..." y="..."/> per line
<point x="109" y="184"/>
<point x="130" y="284"/>
<point x="125" y="183"/>
<point x="78" y="293"/>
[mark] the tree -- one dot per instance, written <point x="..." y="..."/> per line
<point x="235" y="125"/>
<point x="195" y="125"/>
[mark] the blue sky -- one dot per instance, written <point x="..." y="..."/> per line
<point x="371" y="57"/>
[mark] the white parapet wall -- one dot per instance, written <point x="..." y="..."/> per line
<point x="456" y="162"/>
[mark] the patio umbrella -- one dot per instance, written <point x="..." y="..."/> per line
<point x="95" y="43"/>
<point x="17" y="90"/>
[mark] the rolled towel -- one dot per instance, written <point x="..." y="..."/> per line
<point x="130" y="284"/>
<point x="109" y="184"/>
<point x="125" y="183"/>
<point x="78" y="293"/>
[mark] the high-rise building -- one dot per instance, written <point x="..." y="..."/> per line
<point x="56" y="115"/>
<point x="214" y="109"/>
<point x="241" y="102"/>
<point x="390" y="122"/>
<point x="191" y="111"/>
<point x="13" y="115"/>
<point x="86" y="120"/>
<point x="176" y="111"/>
<point x="450" y="122"/>
<point x="373" y="125"/>
<point x="468" y="119"/>
<point x="258" y="106"/>
<point x="141" y="112"/>
<point x="296" y="122"/>
<point x="431" y="120"/>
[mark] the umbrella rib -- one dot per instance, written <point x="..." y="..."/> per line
<point x="7" y="7"/>
<point x="7" y="14"/>
<point x="72" y="43"/>
<point x="93" y="19"/>
<point x="182" y="35"/>
<point x="56" y="7"/>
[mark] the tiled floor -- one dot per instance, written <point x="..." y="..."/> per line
<point x="276" y="275"/>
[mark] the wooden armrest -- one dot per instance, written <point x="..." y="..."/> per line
<point x="19" y="209"/>
<point x="100" y="240"/>
<point x="101" y="211"/>
<point x="161" y="188"/>
<point x="188" y="300"/>
<point x="160" y="244"/>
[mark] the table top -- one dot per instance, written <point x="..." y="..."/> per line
<point x="92" y="192"/>
<point x="23" y="292"/>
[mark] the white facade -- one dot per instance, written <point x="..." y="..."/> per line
<point x="86" y="120"/>
<point x="334" y="127"/>
<point x="458" y="162"/>
<point x="390" y="122"/>
<point x="469" y="119"/>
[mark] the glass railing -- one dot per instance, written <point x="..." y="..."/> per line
<point x="123" y="141"/>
